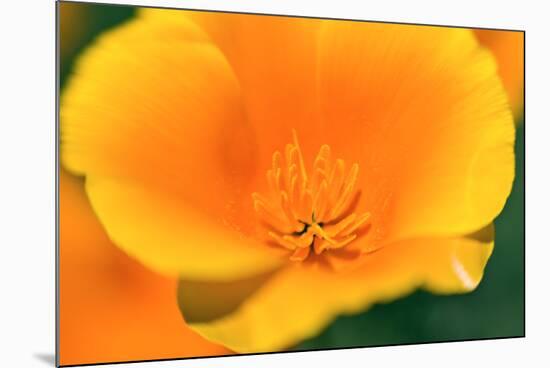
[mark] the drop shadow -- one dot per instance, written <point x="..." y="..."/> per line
<point x="47" y="358"/>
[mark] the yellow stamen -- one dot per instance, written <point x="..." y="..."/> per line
<point x="305" y="212"/>
<point x="300" y="254"/>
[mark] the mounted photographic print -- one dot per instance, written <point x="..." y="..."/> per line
<point x="235" y="183"/>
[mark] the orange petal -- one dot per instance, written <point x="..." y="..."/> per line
<point x="424" y="113"/>
<point x="299" y="301"/>
<point x="154" y="113"/>
<point x="111" y="307"/>
<point x="508" y="48"/>
<point x="274" y="59"/>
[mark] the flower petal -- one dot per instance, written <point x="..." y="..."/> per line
<point x="154" y="112"/>
<point x="274" y="59"/>
<point x="508" y="49"/>
<point x="423" y="111"/>
<point x="171" y="237"/>
<point x="297" y="302"/>
<point x="112" y="308"/>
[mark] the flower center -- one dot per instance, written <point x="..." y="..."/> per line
<point x="309" y="211"/>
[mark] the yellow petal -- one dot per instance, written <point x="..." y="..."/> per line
<point x="300" y="300"/>
<point x="154" y="113"/>
<point x="112" y="308"/>
<point x="508" y="49"/>
<point x="423" y="112"/>
<point x="173" y="238"/>
<point x="457" y="265"/>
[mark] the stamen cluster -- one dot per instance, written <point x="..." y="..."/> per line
<point x="309" y="212"/>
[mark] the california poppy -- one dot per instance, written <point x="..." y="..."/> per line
<point x="290" y="170"/>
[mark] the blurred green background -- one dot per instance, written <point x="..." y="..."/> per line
<point x="495" y="309"/>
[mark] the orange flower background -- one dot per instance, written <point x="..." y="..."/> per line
<point x="508" y="48"/>
<point x="112" y="308"/>
<point x="263" y="177"/>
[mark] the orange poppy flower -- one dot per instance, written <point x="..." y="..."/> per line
<point x="290" y="170"/>
<point x="111" y="307"/>
<point x="508" y="48"/>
